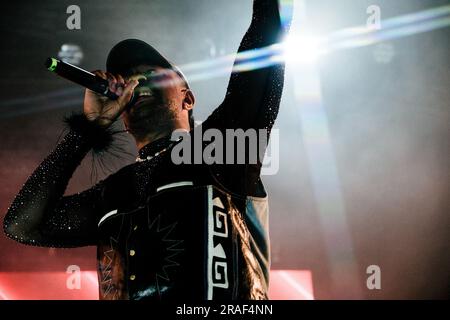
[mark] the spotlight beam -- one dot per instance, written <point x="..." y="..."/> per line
<point x="298" y="48"/>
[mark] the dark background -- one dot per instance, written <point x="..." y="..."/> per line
<point x="388" y="126"/>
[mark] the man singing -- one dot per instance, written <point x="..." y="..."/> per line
<point x="163" y="231"/>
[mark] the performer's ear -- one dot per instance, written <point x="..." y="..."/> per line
<point x="189" y="100"/>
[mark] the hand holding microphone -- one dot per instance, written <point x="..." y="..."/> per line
<point x="104" y="110"/>
<point x="106" y="95"/>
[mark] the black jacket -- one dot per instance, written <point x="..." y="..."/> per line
<point x="166" y="231"/>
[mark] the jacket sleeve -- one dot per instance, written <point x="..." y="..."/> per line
<point x="40" y="215"/>
<point x="253" y="97"/>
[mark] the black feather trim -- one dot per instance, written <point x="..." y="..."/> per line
<point x="109" y="145"/>
<point x="100" y="138"/>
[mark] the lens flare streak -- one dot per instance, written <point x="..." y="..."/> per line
<point x="296" y="48"/>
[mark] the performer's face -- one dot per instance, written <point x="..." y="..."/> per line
<point x="160" y="101"/>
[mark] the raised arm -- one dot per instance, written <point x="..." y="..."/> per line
<point x="253" y="97"/>
<point x="39" y="214"/>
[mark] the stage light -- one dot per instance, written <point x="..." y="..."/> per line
<point x="71" y="53"/>
<point x="302" y="49"/>
<point x="383" y="53"/>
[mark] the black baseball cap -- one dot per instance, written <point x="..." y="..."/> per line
<point x="130" y="53"/>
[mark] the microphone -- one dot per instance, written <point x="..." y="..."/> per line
<point x="80" y="76"/>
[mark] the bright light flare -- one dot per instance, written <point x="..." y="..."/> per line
<point x="302" y="49"/>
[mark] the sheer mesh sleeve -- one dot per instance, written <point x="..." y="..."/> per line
<point x="253" y="97"/>
<point x="40" y="215"/>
